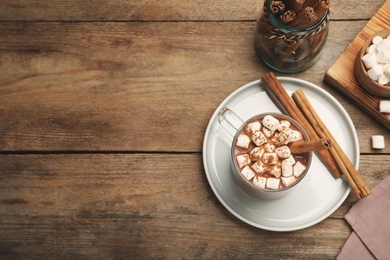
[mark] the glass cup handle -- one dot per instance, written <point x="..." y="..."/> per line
<point x="230" y="121"/>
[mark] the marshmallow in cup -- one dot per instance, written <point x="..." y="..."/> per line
<point x="266" y="170"/>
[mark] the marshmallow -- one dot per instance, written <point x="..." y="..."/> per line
<point x="289" y="135"/>
<point x="257" y="153"/>
<point x="270" y="122"/>
<point x="270" y="158"/>
<point x="288" y="180"/>
<point x="375" y="72"/>
<point x="299" y="168"/>
<point x="383" y="45"/>
<point x="369" y="60"/>
<point x="259" y="167"/>
<point x="275" y="139"/>
<point x="386" y="69"/>
<point x="384" y="106"/>
<point x="289" y="161"/>
<point x="296" y="136"/>
<point x="252" y="127"/>
<point x="275" y="171"/>
<point x="376" y="40"/>
<point x="243" y="141"/>
<point x="383" y="56"/>
<point x="273" y="183"/>
<point x="283" y="152"/>
<point x="269" y="148"/>
<point x="378" y="142"/>
<point x="287" y="170"/>
<point x="243" y="160"/>
<point x="267" y="132"/>
<point x="247" y="172"/>
<point x="284" y="136"/>
<point x="371" y="49"/>
<point x="260" y="181"/>
<point x="283" y="124"/>
<point x="258" y="138"/>
<point x="384" y="79"/>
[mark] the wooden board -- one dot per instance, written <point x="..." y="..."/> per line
<point x="341" y="75"/>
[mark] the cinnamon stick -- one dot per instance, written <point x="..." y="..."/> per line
<point x="311" y="145"/>
<point x="296" y="5"/>
<point x="301" y="13"/>
<point x="291" y="108"/>
<point x="277" y="7"/>
<point x="352" y="175"/>
<point x="287" y="16"/>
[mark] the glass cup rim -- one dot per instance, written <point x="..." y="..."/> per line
<point x="236" y="168"/>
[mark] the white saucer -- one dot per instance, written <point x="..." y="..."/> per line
<point x="318" y="196"/>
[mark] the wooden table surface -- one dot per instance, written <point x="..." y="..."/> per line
<point x="104" y="107"/>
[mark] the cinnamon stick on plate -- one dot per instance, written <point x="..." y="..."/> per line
<point x="311" y="145"/>
<point x="291" y="108"/>
<point x="353" y="177"/>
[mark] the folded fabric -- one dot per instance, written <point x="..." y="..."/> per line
<point x="354" y="249"/>
<point x="369" y="219"/>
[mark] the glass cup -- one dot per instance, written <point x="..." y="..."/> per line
<point x="234" y="125"/>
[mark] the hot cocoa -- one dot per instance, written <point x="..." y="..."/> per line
<point x="262" y="152"/>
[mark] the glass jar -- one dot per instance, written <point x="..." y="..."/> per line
<point x="287" y="49"/>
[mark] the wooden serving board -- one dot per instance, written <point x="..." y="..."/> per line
<point x="342" y="76"/>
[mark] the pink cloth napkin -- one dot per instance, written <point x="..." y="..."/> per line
<point x="370" y="221"/>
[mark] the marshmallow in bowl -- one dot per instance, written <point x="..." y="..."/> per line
<point x="377" y="39"/>
<point x="383" y="56"/>
<point x="375" y="72"/>
<point x="383" y="45"/>
<point x="371" y="49"/>
<point x="386" y="69"/>
<point x="384" y="79"/>
<point x="377" y="60"/>
<point x="243" y="141"/>
<point x="369" y="60"/>
<point x="270" y="122"/>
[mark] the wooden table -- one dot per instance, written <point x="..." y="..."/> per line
<point x="104" y="107"/>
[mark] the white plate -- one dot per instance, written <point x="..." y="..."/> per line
<point x="318" y="196"/>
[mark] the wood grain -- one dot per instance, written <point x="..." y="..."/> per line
<point x="154" y="10"/>
<point x="103" y="109"/>
<point x="137" y="86"/>
<point x="342" y="74"/>
<point x="116" y="205"/>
